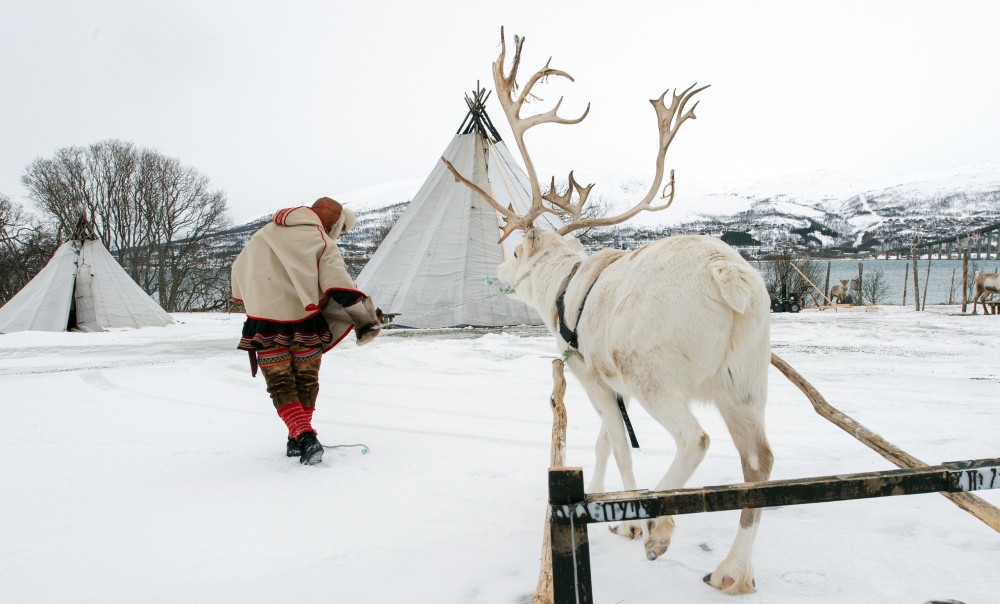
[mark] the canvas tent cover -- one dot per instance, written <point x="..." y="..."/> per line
<point x="431" y="269"/>
<point x="84" y="277"/>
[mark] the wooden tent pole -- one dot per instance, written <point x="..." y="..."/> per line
<point x="543" y="591"/>
<point x="976" y="506"/>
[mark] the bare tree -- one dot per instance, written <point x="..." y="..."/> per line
<point x="782" y="278"/>
<point x="151" y="210"/>
<point x="182" y="209"/>
<point x="874" y="287"/>
<point x="25" y="246"/>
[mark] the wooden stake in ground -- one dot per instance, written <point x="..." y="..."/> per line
<point x="543" y="592"/>
<point x="906" y="281"/>
<point x="976" y="506"/>
<point x="927" y="278"/>
<point x="965" y="276"/>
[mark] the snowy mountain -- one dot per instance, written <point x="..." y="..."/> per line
<point x="821" y="211"/>
<point x="825" y="209"/>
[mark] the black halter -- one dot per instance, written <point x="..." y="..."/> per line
<point x="568" y="334"/>
<point x="571" y="337"/>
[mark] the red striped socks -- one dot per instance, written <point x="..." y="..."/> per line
<point x="297" y="419"/>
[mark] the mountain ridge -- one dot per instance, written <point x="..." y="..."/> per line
<point x="818" y="212"/>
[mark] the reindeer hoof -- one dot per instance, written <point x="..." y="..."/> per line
<point x="655" y="550"/>
<point x="727" y="582"/>
<point x="627" y="530"/>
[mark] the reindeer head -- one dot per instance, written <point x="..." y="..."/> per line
<point x="529" y="258"/>
<point x="569" y="206"/>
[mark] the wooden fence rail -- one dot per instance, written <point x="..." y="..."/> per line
<point x="571" y="510"/>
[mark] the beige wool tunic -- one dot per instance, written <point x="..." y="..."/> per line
<point x="289" y="268"/>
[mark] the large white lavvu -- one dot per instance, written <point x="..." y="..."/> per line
<point x="432" y="267"/>
<point x="680" y="320"/>
<point x="82" y="287"/>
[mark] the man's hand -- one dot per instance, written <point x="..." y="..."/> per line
<point x="366" y="321"/>
<point x="366" y="334"/>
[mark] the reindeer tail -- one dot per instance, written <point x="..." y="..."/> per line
<point x="736" y="287"/>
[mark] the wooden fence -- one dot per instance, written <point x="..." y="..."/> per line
<point x="570" y="510"/>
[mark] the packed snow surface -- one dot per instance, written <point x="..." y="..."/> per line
<point x="148" y="466"/>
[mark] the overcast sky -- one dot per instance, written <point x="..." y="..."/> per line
<point x="279" y="103"/>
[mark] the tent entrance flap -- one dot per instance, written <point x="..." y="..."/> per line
<point x="83" y="299"/>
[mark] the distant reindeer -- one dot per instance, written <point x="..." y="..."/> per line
<point x="680" y="320"/>
<point x="987" y="284"/>
<point x="838" y="293"/>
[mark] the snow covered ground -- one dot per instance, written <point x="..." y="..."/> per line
<point x="147" y="466"/>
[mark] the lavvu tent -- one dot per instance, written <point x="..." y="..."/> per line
<point x="82" y="287"/>
<point x="431" y="269"/>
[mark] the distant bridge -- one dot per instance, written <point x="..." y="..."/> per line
<point x="981" y="243"/>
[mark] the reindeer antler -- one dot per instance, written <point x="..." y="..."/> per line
<point x="669" y="121"/>
<point x="511" y="102"/>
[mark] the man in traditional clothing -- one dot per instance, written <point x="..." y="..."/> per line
<point x="300" y="302"/>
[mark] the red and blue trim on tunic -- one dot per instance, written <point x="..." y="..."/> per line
<point x="311" y="333"/>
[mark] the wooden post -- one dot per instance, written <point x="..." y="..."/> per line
<point x="976" y="506"/>
<point x="543" y="591"/>
<point x="571" y="582"/>
<point x="965" y="276"/>
<point x="826" y="286"/>
<point x="927" y="277"/>
<point x="906" y="281"/>
<point x="916" y="280"/>
<point x="951" y="291"/>
<point x="861" y="283"/>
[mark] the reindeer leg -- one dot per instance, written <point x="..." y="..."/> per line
<point x="734" y="575"/>
<point x="612" y="437"/>
<point x="692" y="443"/>
<point x="602" y="452"/>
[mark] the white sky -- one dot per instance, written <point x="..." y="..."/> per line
<point x="280" y="103"/>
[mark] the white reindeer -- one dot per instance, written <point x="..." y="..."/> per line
<point x="987" y="284"/>
<point x="683" y="319"/>
<point x="838" y="293"/>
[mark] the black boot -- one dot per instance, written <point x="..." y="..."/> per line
<point x="292" y="449"/>
<point x="311" y="450"/>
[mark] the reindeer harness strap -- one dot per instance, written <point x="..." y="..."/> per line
<point x="568" y="334"/>
<point x="571" y="337"/>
